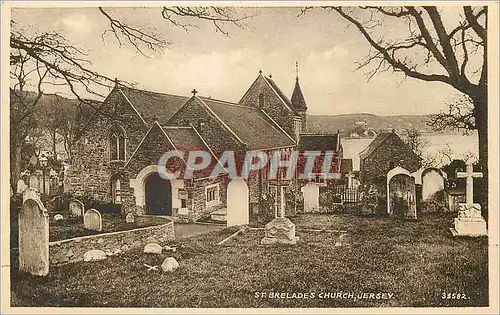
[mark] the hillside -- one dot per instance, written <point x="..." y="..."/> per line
<point x="358" y="123"/>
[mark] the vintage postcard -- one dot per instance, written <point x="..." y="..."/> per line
<point x="250" y="157"/>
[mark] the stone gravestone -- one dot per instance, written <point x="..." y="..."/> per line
<point x="237" y="203"/>
<point x="432" y="190"/>
<point x="130" y="218"/>
<point x="432" y="182"/>
<point x="469" y="221"/>
<point x="92" y="220"/>
<point x="311" y="197"/>
<point x="401" y="197"/>
<point x="34" y="181"/>
<point x="33" y="235"/>
<point x="76" y="207"/>
<point x="280" y="230"/>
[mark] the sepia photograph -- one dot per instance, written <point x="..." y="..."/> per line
<point x="229" y="156"/>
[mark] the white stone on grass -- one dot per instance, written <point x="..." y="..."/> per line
<point x="169" y="264"/>
<point x="58" y="217"/>
<point x="94" y="254"/>
<point x="153" y="248"/>
<point x="130" y="218"/>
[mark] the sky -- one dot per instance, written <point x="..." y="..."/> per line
<point x="224" y="67"/>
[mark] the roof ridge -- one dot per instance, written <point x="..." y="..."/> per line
<point x="176" y="127"/>
<point x="228" y="103"/>
<point x="149" y="91"/>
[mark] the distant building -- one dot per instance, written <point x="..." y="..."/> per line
<point x="384" y="153"/>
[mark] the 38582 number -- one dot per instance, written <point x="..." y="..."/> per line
<point x="453" y="296"/>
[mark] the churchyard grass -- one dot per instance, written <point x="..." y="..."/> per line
<point x="416" y="261"/>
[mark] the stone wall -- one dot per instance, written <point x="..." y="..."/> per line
<point x="92" y="169"/>
<point x="273" y="106"/>
<point x="374" y="168"/>
<point x="72" y="250"/>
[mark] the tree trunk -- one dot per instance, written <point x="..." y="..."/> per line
<point x="54" y="140"/>
<point x="15" y="163"/>
<point x="480" y="100"/>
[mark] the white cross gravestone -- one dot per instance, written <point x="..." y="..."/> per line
<point x="76" y="207"/>
<point x="469" y="221"/>
<point x="33" y="235"/>
<point x="92" y="220"/>
<point x="237" y="203"/>
<point x="311" y="197"/>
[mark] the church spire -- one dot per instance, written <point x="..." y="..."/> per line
<point x="298" y="101"/>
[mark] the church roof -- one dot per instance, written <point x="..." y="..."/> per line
<point x="377" y="142"/>
<point x="315" y="142"/>
<point x="250" y="125"/>
<point x="153" y="105"/>
<point x="278" y="91"/>
<point x="185" y="138"/>
<point x="298" y="101"/>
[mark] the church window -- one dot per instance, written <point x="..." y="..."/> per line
<point x="117" y="144"/>
<point x="261" y="100"/>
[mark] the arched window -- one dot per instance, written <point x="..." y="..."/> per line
<point x="116" y="144"/>
<point x="261" y="100"/>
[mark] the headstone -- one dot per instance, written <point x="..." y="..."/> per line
<point x="280" y="231"/>
<point x="432" y="182"/>
<point x="58" y="217"/>
<point x="21" y="186"/>
<point x="153" y="248"/>
<point x="34" y="181"/>
<point x="33" y="236"/>
<point x="311" y="197"/>
<point x="94" y="254"/>
<point x="169" y="264"/>
<point x="92" y="220"/>
<point x="237" y="203"/>
<point x="76" y="207"/>
<point x="130" y="218"/>
<point x="401" y="197"/>
<point x="469" y="221"/>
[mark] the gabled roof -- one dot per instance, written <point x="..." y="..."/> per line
<point x="278" y="91"/>
<point x="185" y="138"/>
<point x="317" y="142"/>
<point x="250" y="125"/>
<point x="298" y="101"/>
<point x="153" y="105"/>
<point x="377" y="142"/>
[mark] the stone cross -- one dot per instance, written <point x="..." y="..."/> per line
<point x="469" y="174"/>
<point x="194" y="92"/>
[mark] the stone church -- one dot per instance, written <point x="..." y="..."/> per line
<point x="117" y="159"/>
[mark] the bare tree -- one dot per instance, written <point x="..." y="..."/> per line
<point x="47" y="58"/>
<point x="458" y="116"/>
<point x="430" y="51"/>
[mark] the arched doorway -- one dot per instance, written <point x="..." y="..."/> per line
<point x="158" y="195"/>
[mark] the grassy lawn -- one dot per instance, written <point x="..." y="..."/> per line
<point x="414" y="261"/>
